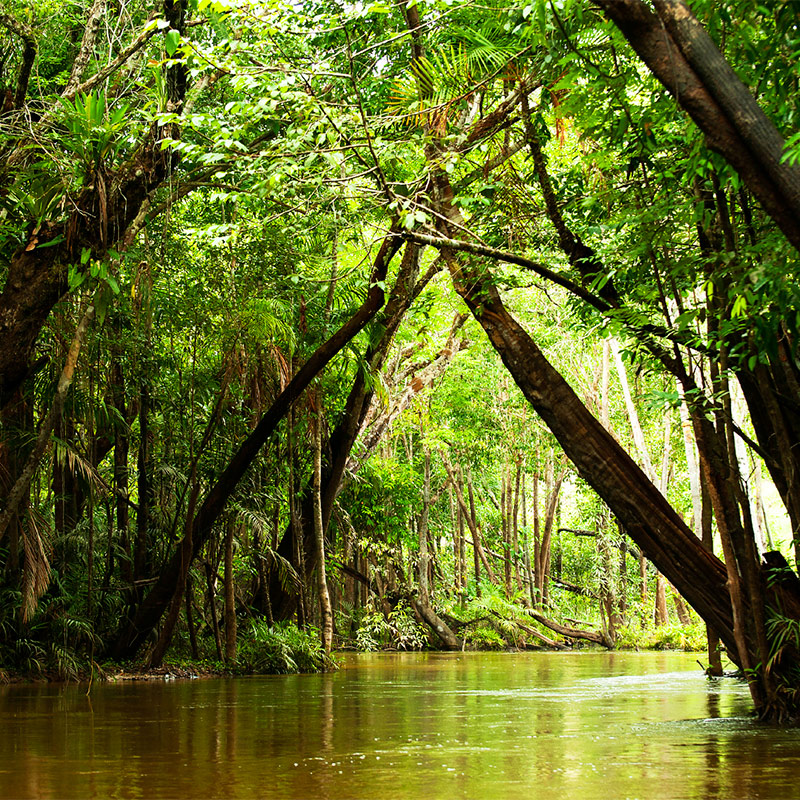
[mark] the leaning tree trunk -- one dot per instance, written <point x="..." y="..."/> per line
<point x="171" y="580"/>
<point x="344" y="435"/>
<point x="647" y="517"/>
<point x="679" y="52"/>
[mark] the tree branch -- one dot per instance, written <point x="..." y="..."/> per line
<point x="140" y="41"/>
<point x="28" y="55"/>
<point x="81" y="61"/>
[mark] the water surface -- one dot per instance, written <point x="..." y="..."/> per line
<point x="472" y="725"/>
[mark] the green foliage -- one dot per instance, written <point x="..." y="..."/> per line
<point x="55" y="644"/>
<point x="281" y="649"/>
<point x="783" y="635"/>
<point x="397" y="630"/>
<point x="485" y="638"/>
<point x="673" y="636"/>
<point x="92" y="131"/>
<point x="296" y="165"/>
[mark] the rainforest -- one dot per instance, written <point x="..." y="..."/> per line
<point x="439" y="326"/>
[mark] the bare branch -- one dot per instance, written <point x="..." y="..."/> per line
<point x="142" y="39"/>
<point x="87" y="47"/>
<point x="460" y="245"/>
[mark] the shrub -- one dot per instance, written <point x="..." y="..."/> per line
<point x="282" y="648"/>
<point x="55" y="643"/>
<point x="484" y="638"/>
<point x="397" y="630"/>
<point x="691" y="638"/>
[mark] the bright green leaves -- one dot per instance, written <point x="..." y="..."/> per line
<point x="411" y="218"/>
<point x="739" y="307"/>
<point x="96" y="136"/>
<point x="171" y="42"/>
<point x="432" y="87"/>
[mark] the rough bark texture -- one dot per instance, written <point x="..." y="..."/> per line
<point x="663" y="41"/>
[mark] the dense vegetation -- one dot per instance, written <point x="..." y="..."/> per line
<point x="472" y="325"/>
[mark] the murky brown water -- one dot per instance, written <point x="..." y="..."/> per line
<point x="474" y="725"/>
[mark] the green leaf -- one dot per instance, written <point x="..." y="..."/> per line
<point x="171" y="42"/>
<point x="75" y="278"/>
<point x="56" y="240"/>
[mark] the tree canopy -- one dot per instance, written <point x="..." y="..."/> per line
<point x="377" y="286"/>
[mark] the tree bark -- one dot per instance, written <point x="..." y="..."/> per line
<point x="325" y="609"/>
<point x="99" y="217"/>
<point x="714" y="103"/>
<point x="230" y="597"/>
<point x="647" y="517"/>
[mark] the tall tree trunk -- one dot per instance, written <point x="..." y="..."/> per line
<point x="661" y="614"/>
<point x="141" y="553"/>
<point x="121" y="472"/>
<point x="647" y="517"/>
<point x="190" y="624"/>
<point x="298" y="554"/>
<point x="706" y="535"/>
<point x="422" y="530"/>
<point x="230" y="594"/>
<point x="543" y="566"/>
<point x="326" y="611"/>
<point x="515" y="521"/>
<point x="505" y="521"/>
<point x="681" y="55"/>
<point x="469" y="516"/>
<point x="212" y="606"/>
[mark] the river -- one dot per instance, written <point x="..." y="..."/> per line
<point x="527" y="726"/>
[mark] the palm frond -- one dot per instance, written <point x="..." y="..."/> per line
<point x="36" y="569"/>
<point x="67" y="456"/>
<point x="434" y="84"/>
<point x="256" y="521"/>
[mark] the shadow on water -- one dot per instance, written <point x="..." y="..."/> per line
<point x="573" y="725"/>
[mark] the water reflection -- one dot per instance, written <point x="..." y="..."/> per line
<point x="590" y="725"/>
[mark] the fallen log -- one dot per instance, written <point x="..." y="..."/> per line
<point x="571" y="633"/>
<point x="571" y="587"/>
<point x="549" y="642"/>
